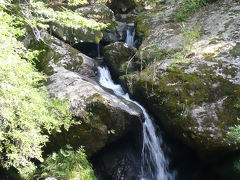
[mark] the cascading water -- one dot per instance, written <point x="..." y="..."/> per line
<point x="130" y="36"/>
<point x="98" y="51"/>
<point x="154" y="163"/>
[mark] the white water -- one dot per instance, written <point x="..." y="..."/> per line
<point x="130" y="36"/>
<point x="154" y="163"/>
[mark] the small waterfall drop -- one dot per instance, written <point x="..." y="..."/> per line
<point x="98" y="51"/>
<point x="154" y="163"/>
<point x="130" y="36"/>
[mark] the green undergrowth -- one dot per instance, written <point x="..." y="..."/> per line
<point x="187" y="8"/>
<point x="234" y="132"/>
<point x="233" y="135"/>
<point x="64" y="17"/>
<point x="66" y="164"/>
<point x="27" y="114"/>
<point x="189" y="37"/>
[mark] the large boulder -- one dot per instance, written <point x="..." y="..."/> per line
<point x="56" y="53"/>
<point x="98" y="12"/>
<point x="68" y="25"/>
<point x="103" y="116"/>
<point x="115" y="31"/>
<point x="101" y="13"/>
<point x="74" y="35"/>
<point x="191" y="75"/>
<point x="117" y="56"/>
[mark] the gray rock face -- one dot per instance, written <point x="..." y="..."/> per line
<point x="104" y="117"/>
<point x="190" y="78"/>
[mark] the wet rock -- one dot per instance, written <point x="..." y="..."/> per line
<point x="117" y="56"/>
<point x="119" y="160"/>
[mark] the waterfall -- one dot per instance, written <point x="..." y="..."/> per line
<point x="98" y="51"/>
<point x="130" y="36"/>
<point x="154" y="163"/>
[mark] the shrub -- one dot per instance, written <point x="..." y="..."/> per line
<point x="67" y="164"/>
<point x="26" y="112"/>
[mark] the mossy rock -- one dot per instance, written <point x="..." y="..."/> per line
<point x="191" y="88"/>
<point x="75" y="35"/>
<point x="197" y="108"/>
<point x="117" y="55"/>
<point x="100" y="13"/>
<point x="55" y="53"/>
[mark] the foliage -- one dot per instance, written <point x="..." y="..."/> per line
<point x="77" y="2"/>
<point x="64" y="17"/>
<point x="25" y="109"/>
<point x="234" y="132"/>
<point x="233" y="135"/>
<point x="190" y="36"/>
<point x="148" y="2"/>
<point x="187" y="8"/>
<point x="67" y="164"/>
<point x="237" y="165"/>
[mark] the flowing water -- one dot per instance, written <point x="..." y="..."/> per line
<point x="98" y="51"/>
<point x="154" y="164"/>
<point x="130" y="36"/>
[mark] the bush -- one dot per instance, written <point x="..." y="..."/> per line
<point x="27" y="115"/>
<point x="67" y="164"/>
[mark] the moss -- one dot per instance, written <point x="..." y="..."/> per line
<point x="172" y="94"/>
<point x="98" y="109"/>
<point x="235" y="51"/>
<point x="142" y="28"/>
<point x="188" y="7"/>
<point x="51" y="49"/>
<point x="116" y="56"/>
<point x="100" y="13"/>
<point x="209" y="56"/>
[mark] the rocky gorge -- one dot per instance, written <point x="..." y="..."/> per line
<point x="153" y="93"/>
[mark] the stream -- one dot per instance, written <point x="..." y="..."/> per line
<point x="154" y="163"/>
<point x="154" y="155"/>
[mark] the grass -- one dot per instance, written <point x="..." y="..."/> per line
<point x="187" y="8"/>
